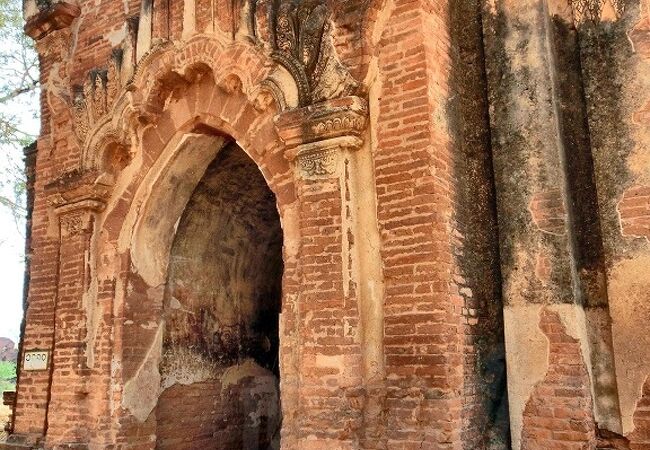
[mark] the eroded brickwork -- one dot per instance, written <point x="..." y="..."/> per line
<point x="335" y="224"/>
<point x="559" y="411"/>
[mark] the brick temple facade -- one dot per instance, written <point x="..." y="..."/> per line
<point x="338" y="224"/>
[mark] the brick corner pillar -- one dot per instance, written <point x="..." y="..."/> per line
<point x="340" y="364"/>
<point x="415" y="167"/>
<point x="48" y="25"/>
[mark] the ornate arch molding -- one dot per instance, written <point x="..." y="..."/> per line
<point x="110" y="115"/>
<point x="289" y="59"/>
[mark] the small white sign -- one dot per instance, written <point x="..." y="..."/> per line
<point x="36" y="360"/>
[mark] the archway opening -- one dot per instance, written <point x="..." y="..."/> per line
<point x="220" y="365"/>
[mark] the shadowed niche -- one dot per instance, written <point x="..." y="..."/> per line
<point x="220" y="368"/>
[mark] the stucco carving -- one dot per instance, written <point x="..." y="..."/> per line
<point x="315" y="135"/>
<point x="76" y="218"/>
<point x="301" y="42"/>
<point x="340" y="117"/>
<point x="96" y="98"/>
<point x="318" y="162"/>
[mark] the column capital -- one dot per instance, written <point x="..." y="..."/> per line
<point x="53" y="15"/>
<point x="74" y="198"/>
<point x="315" y="135"/>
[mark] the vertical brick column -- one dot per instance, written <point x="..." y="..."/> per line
<point x="48" y="24"/>
<point x="69" y="418"/>
<point x="416" y="175"/>
<point x="334" y="333"/>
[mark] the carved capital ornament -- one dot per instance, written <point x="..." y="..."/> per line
<point x="316" y="135"/>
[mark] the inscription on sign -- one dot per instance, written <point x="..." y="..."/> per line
<point x="36" y="360"/>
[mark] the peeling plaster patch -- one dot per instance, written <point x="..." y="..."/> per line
<point x="527" y="350"/>
<point x="117" y="36"/>
<point x="141" y="391"/>
<point x="634" y="212"/>
<point x="527" y="353"/>
<point x="93" y="318"/>
<point x="76" y="26"/>
<point x="116" y="368"/>
<point x="144" y="30"/>
<point x="189" y="18"/>
<point x="548" y="213"/>
<point x="290" y="223"/>
<point x="629" y="303"/>
<point x="564" y="394"/>
<point x="89" y="301"/>
<point x="574" y="320"/>
<point x="249" y="368"/>
<point x="183" y="366"/>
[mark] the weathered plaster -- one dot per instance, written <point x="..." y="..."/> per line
<point x="527" y="353"/>
<point x="527" y="360"/>
<point x="116" y="37"/>
<point x="93" y="310"/>
<point x="144" y="29"/>
<point x="189" y="18"/>
<point x="141" y="392"/>
<point x="629" y="297"/>
<point x="169" y="182"/>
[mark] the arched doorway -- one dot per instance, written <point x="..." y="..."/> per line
<point x="220" y="367"/>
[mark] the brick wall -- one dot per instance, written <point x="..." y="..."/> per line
<point x="96" y="294"/>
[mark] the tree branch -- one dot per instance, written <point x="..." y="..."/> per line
<point x="19" y="91"/>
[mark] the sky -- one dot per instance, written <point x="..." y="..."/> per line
<point x="12" y="230"/>
<point x="12" y="242"/>
<point x="12" y="269"/>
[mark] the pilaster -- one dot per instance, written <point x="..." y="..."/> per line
<point x="340" y="336"/>
<point x="73" y="361"/>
